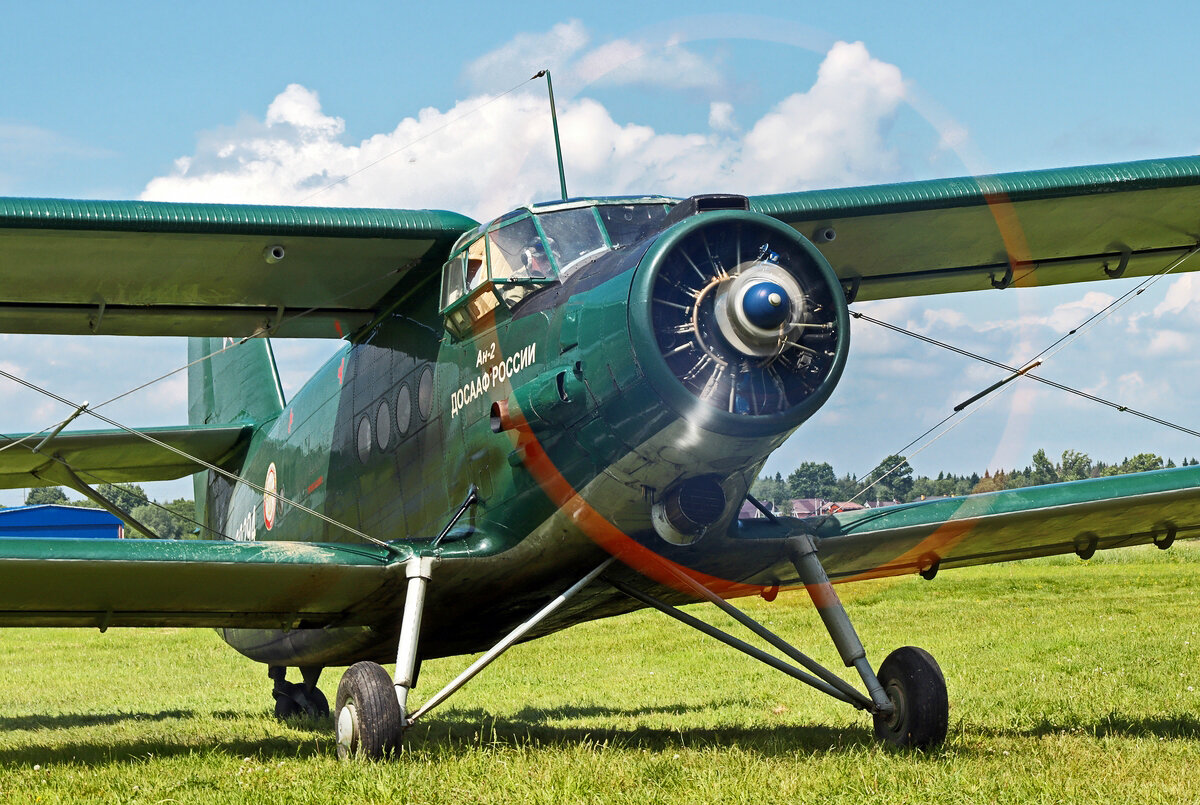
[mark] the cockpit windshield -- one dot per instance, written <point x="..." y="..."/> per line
<point x="573" y="236"/>
<point x="628" y="223"/>
<point x="522" y="252"/>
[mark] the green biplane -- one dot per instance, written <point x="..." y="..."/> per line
<point x="552" y="417"/>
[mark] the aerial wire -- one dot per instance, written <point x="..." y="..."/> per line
<point x="424" y="136"/>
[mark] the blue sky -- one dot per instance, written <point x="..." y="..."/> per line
<point x="259" y="102"/>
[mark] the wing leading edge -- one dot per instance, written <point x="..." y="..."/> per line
<point x="1006" y="230"/>
<point x="157" y="268"/>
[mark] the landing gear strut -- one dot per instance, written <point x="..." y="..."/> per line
<point x="907" y="698"/>
<point x="372" y="708"/>
<point x="371" y="724"/>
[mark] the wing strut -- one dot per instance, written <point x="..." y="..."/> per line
<point x="83" y="488"/>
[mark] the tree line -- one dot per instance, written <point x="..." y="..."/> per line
<point x="893" y="479"/>
<point x="170" y="520"/>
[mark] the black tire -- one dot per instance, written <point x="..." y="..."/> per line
<point x="318" y="705"/>
<point x="286" y="705"/>
<point x="293" y="699"/>
<point x="914" y="683"/>
<point x="369" y="720"/>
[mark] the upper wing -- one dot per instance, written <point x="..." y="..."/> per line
<point x="138" y="582"/>
<point x="120" y="456"/>
<point x="1020" y="229"/>
<point x="153" y="268"/>
<point x="1073" y="517"/>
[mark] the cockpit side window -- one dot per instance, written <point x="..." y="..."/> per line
<point x="453" y="287"/>
<point x="572" y="236"/>
<point x="476" y="265"/>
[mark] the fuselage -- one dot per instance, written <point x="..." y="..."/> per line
<point x="540" y="371"/>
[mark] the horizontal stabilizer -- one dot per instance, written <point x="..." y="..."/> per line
<point x="136" y="582"/>
<point x="115" y="456"/>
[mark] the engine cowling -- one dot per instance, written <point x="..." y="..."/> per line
<point x="739" y="322"/>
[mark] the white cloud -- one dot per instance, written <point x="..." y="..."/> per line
<point x="1067" y="317"/>
<point x="1182" y="295"/>
<point x="720" y="116"/>
<point x="526" y="54"/>
<point x="627" y="62"/>
<point x="25" y="141"/>
<point x="833" y="133"/>
<point x="1164" y="342"/>
<point x="488" y="154"/>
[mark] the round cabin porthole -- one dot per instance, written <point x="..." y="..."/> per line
<point x="425" y="393"/>
<point x="364" y="439"/>
<point x="383" y="425"/>
<point x="403" y="409"/>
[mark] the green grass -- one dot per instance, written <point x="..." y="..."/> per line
<point x="1069" y="681"/>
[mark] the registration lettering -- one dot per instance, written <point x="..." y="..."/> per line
<point x="493" y="374"/>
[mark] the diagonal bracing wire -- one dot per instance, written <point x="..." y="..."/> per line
<point x="208" y="465"/>
<point x="1047" y="352"/>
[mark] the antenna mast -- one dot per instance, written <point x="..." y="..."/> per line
<point x="562" y="176"/>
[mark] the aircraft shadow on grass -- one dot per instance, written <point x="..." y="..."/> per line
<point x="1111" y="725"/>
<point x="463" y="731"/>
<point x="68" y="720"/>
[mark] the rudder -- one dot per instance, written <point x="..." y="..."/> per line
<point x="239" y="385"/>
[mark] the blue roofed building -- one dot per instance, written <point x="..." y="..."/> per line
<point x="54" y="520"/>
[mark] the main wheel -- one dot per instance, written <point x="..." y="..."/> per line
<point x="914" y="683"/>
<point x="369" y="720"/>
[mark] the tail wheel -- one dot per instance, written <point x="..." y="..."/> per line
<point x="761" y="364"/>
<point x="914" y="682"/>
<point x="369" y="719"/>
<point x="294" y="699"/>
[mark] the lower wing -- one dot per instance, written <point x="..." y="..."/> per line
<point x="1074" y="517"/>
<point x="137" y="582"/>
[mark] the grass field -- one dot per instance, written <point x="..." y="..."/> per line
<point x="1069" y="681"/>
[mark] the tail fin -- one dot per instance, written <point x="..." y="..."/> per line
<point x="239" y="385"/>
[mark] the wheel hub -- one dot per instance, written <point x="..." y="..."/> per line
<point x="347" y="731"/>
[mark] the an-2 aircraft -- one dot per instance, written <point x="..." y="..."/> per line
<point x="541" y="420"/>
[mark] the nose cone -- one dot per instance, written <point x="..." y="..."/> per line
<point x="766" y="305"/>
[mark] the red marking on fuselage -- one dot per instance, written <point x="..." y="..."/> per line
<point x="341" y="371"/>
<point x="291" y="416"/>
<point x="313" y="486"/>
<point x="607" y="535"/>
<point x="337" y="325"/>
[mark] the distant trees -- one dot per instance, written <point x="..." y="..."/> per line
<point x="812" y="480"/>
<point x="893" y="478"/>
<point x="46" y="494"/>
